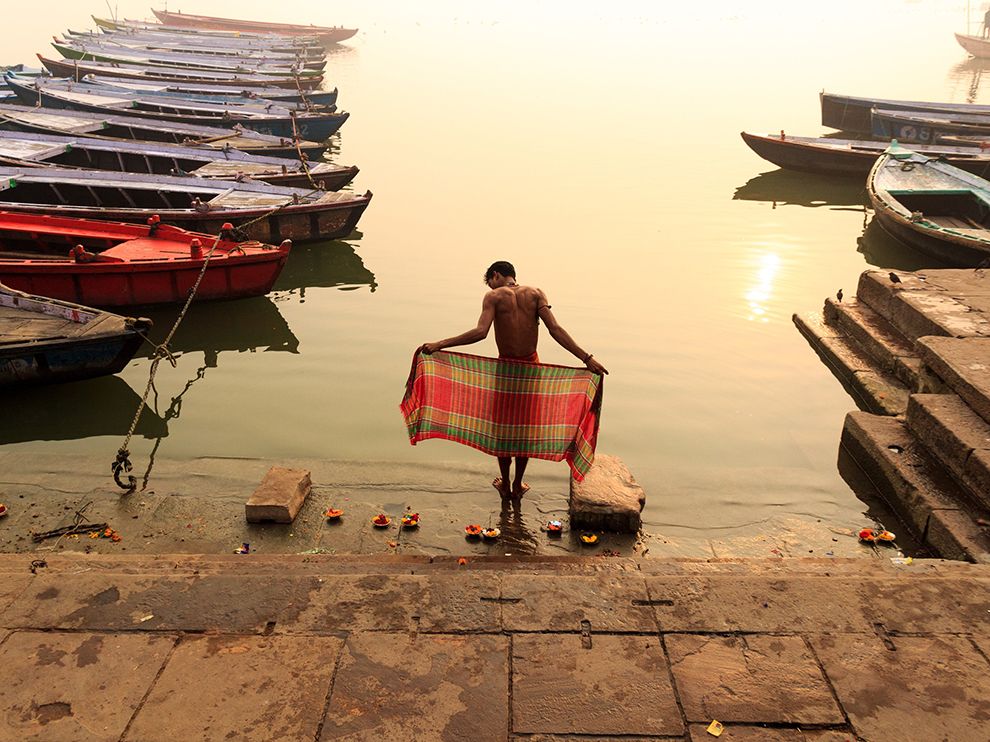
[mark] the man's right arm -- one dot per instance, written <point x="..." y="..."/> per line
<point x="474" y="335"/>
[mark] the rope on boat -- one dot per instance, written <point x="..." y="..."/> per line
<point x="122" y="463"/>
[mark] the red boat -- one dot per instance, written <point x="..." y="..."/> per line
<point x="112" y="264"/>
<point x="326" y="34"/>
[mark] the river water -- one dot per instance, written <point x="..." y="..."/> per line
<point x="598" y="150"/>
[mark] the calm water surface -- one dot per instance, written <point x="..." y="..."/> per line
<point x="599" y="152"/>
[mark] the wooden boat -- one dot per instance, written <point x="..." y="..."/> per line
<point x="326" y="34"/>
<point x="29" y="149"/>
<point x="977" y="46"/>
<point x="926" y="127"/>
<point x="130" y="24"/>
<point x="210" y="55"/>
<point x="130" y="128"/>
<point x="204" y="44"/>
<point x="851" y="114"/>
<point x="47" y="341"/>
<point x="260" y="211"/>
<point x="853" y="158"/>
<point x="96" y="53"/>
<point x="217" y="93"/>
<point x="315" y="123"/>
<point x="76" y="69"/>
<point x="109" y="264"/>
<point x="936" y="208"/>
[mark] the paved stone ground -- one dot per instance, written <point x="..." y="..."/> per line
<point x="319" y="648"/>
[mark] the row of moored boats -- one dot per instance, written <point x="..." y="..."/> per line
<point x="150" y="156"/>
<point x="926" y="167"/>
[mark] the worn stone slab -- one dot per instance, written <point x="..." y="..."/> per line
<point x="743" y="733"/>
<point x="876" y="290"/>
<point x="247" y="688"/>
<point x="929" y="689"/>
<point x="613" y="603"/>
<point x="565" y="684"/>
<point x="919" y="605"/>
<point x="279" y="497"/>
<point x="964" y="364"/>
<point x="952" y="317"/>
<point x="10" y="587"/>
<point x="976" y="474"/>
<point x="948" y="428"/>
<point x="397" y="687"/>
<point x="883" y="394"/>
<point x="452" y="602"/>
<point x="750" y="679"/>
<point x="762" y="604"/>
<point x="608" y="498"/>
<point x="75" y="687"/>
<point x="877" y="337"/>
<point x="956" y="535"/>
<point x="95" y="601"/>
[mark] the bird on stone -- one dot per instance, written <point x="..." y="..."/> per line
<point x="838" y="295"/>
<point x="894" y="278"/>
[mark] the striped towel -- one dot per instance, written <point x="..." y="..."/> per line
<point x="505" y="407"/>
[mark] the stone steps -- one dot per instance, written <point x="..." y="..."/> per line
<point x="963" y="364"/>
<point x="873" y="389"/>
<point x="880" y="340"/>
<point x="916" y="486"/>
<point x="957" y="437"/>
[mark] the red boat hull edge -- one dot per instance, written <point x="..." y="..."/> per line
<point x="136" y="268"/>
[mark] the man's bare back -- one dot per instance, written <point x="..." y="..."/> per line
<point x="517" y="323"/>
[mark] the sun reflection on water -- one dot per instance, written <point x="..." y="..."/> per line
<point x="759" y="295"/>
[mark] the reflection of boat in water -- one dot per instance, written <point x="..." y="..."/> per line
<point x="215" y="327"/>
<point x="786" y="187"/>
<point x="84" y="409"/>
<point x="882" y="250"/>
<point x="324" y="265"/>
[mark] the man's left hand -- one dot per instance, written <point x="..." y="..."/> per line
<point x="429" y="348"/>
<point x="595" y="367"/>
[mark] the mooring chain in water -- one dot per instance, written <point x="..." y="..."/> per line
<point x="122" y="463"/>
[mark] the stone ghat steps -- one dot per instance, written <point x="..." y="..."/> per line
<point x="914" y="349"/>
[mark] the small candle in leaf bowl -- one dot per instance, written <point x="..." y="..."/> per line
<point x="472" y="531"/>
<point x="381" y="521"/>
<point x="491" y="533"/>
<point x="554" y="528"/>
<point x="410" y="520"/>
<point x="332" y="514"/>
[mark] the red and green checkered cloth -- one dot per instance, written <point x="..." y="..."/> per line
<point x="505" y="407"/>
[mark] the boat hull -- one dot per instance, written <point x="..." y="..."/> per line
<point x="976" y="46"/>
<point x="327" y="35"/>
<point x="70" y="360"/>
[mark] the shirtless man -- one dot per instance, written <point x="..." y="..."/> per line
<point x="516" y="311"/>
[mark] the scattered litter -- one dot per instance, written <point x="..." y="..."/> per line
<point x="901" y="560"/>
<point x="715" y="728"/>
<point x="244" y="548"/>
<point x="392" y="544"/>
<point x="146" y="618"/>
<point x="872" y="535"/>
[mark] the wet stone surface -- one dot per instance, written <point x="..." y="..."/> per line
<point x="559" y="603"/>
<point x="750" y="679"/>
<point x="597" y="685"/>
<point x="397" y="687"/>
<point x="75" y="687"/>
<point x="459" y="602"/>
<point x="764" y="734"/>
<point x="929" y="689"/>
<point x="244" y="688"/>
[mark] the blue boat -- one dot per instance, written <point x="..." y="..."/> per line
<point x="273" y="120"/>
<point x="44" y="341"/>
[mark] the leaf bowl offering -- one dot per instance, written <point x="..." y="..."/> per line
<point x="554" y="528"/>
<point x="491" y="533"/>
<point x="332" y="514"/>
<point x="3" y="510"/>
<point x="868" y="535"/>
<point x="410" y="520"/>
<point x="886" y="536"/>
<point x="589" y="539"/>
<point x="472" y="531"/>
<point x="381" y="521"/>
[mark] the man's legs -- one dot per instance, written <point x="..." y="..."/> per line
<point x="519" y="488"/>
<point x="502" y="482"/>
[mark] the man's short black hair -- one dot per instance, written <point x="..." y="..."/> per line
<point x="500" y="266"/>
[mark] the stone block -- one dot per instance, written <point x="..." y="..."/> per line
<point x="928" y="689"/>
<point x="279" y="496"/>
<point x="964" y="365"/>
<point x="608" y="498"/>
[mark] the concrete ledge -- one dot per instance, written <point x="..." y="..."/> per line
<point x="279" y="496"/>
<point x="964" y="365"/>
<point x="953" y="433"/>
<point x="914" y="485"/>
<point x="890" y="350"/>
<point x="608" y="498"/>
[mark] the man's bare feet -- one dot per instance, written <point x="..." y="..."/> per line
<point x="518" y="492"/>
<point x="500" y="485"/>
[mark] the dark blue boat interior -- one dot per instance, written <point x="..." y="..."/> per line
<point x="962" y="209"/>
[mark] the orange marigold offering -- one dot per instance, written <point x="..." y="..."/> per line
<point x="491" y="533"/>
<point x="410" y="520"/>
<point x="868" y="535"/>
<point x="332" y="514"/>
<point x="589" y="538"/>
<point x="381" y="520"/>
<point x="472" y="530"/>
